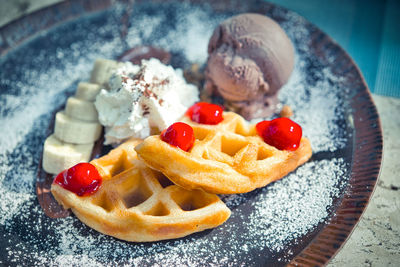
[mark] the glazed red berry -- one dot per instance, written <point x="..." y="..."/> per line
<point x="180" y="135"/>
<point x="82" y="179"/>
<point x="205" y="113"/>
<point x="282" y="133"/>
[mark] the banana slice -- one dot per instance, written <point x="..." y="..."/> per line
<point x="80" y="109"/>
<point x="75" y="131"/>
<point x="87" y="91"/>
<point x="102" y="70"/>
<point x="58" y="155"/>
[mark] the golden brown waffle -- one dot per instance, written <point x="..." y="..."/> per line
<point x="136" y="203"/>
<point x="226" y="158"/>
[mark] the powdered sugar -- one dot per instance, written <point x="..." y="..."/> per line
<point x="267" y="225"/>
<point x="328" y="135"/>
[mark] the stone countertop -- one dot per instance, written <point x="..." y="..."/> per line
<point x="376" y="239"/>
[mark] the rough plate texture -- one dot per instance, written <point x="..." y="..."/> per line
<point x="302" y="219"/>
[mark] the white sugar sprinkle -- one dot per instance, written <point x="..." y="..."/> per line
<point x="267" y="220"/>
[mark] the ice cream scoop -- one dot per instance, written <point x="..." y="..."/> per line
<point x="250" y="59"/>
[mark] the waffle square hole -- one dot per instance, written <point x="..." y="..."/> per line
<point x="158" y="210"/>
<point x="162" y="179"/>
<point x="136" y="196"/>
<point x="194" y="200"/>
<point x="263" y="153"/>
<point x="232" y="146"/>
<point x="241" y="129"/>
<point x="205" y="155"/>
<point x="188" y="206"/>
<point x="119" y="165"/>
<point x="200" y="133"/>
<point x="104" y="202"/>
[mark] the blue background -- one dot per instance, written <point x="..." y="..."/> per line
<point x="369" y="30"/>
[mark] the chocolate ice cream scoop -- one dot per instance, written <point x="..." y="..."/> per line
<point x="250" y="58"/>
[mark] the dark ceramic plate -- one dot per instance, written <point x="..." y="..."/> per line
<point x="302" y="219"/>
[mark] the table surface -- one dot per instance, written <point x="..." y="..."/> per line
<point x="370" y="31"/>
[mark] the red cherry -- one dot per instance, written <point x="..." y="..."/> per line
<point x="282" y="133"/>
<point x="180" y="135"/>
<point x="82" y="179"/>
<point x="205" y="113"/>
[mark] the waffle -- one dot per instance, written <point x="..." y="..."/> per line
<point x="226" y="158"/>
<point x="136" y="203"/>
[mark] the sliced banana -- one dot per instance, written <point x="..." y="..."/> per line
<point x="75" y="131"/>
<point x="102" y="70"/>
<point x="77" y="128"/>
<point x="58" y="155"/>
<point x="80" y="109"/>
<point x="87" y="91"/>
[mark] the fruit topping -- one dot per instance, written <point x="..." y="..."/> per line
<point x="180" y="135"/>
<point x="82" y="179"/>
<point x="282" y="133"/>
<point x="205" y="113"/>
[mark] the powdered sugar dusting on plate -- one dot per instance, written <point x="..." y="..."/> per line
<point x="264" y="223"/>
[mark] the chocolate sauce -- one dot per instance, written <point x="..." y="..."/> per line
<point x="43" y="185"/>
<point x="46" y="200"/>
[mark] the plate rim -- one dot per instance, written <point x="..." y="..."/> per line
<point x="368" y="138"/>
<point x="374" y="140"/>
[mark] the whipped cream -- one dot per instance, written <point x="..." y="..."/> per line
<point x="143" y="100"/>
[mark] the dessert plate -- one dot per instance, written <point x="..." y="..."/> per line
<point x="302" y="219"/>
